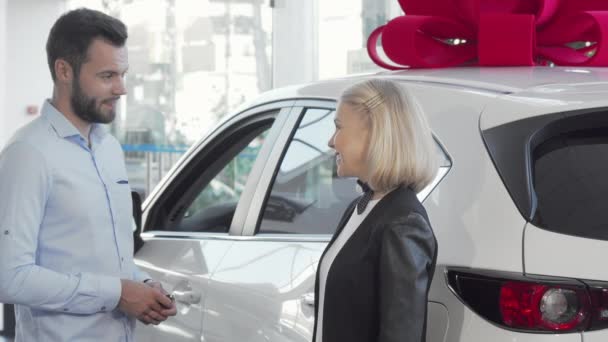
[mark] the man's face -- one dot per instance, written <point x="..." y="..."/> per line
<point x="100" y="83"/>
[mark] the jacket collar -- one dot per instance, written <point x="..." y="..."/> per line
<point x="399" y="202"/>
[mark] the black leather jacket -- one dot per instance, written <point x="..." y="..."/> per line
<point x="377" y="287"/>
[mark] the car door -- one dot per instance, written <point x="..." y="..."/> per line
<point x="263" y="289"/>
<point x="192" y="218"/>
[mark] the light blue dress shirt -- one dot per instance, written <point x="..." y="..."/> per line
<point x="65" y="232"/>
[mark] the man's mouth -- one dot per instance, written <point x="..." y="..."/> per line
<point x="110" y="103"/>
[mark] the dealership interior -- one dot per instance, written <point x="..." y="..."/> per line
<point x="191" y="63"/>
<point x="297" y="170"/>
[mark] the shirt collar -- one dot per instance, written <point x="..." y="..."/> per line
<point x="98" y="133"/>
<point x="65" y="128"/>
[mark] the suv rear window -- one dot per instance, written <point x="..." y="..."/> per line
<point x="555" y="167"/>
<point x="570" y="177"/>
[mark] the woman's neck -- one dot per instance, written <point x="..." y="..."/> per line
<point x="378" y="195"/>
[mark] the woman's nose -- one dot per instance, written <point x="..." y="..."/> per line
<point x="330" y="143"/>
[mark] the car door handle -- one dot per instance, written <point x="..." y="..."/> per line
<point x="309" y="299"/>
<point x="187" y="297"/>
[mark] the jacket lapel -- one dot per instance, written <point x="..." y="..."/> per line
<point x="343" y="220"/>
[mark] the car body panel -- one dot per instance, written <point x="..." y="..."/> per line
<point x="555" y="254"/>
<point x="594" y="336"/>
<point x="544" y="100"/>
<point x="470" y="204"/>
<point x="261" y="292"/>
<point x="181" y="265"/>
<point x="258" y="287"/>
<point x="438" y="315"/>
<point x="498" y="80"/>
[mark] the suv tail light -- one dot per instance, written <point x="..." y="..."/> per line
<point x="541" y="307"/>
<point x="537" y="304"/>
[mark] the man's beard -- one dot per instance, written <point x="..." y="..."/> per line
<point x="86" y="107"/>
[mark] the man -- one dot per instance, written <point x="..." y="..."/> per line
<point x="66" y="244"/>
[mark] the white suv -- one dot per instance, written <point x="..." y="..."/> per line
<point x="519" y="208"/>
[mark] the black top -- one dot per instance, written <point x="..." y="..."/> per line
<point x="377" y="286"/>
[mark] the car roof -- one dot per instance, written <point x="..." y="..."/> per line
<point x="505" y="80"/>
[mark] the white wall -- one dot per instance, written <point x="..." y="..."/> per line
<point x="2" y="97"/>
<point x="2" y="79"/>
<point x="27" y="80"/>
<point x="24" y="77"/>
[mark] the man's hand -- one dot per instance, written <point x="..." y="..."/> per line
<point x="144" y="302"/>
<point x="167" y="311"/>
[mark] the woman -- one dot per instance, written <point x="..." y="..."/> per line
<point x="374" y="276"/>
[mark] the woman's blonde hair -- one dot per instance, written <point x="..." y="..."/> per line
<point x="401" y="147"/>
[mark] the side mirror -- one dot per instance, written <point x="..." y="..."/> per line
<point x="138" y="242"/>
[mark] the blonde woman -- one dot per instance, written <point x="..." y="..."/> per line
<point x="374" y="276"/>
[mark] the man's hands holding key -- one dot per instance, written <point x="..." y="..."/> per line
<point x="148" y="302"/>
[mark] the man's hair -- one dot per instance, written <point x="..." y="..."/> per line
<point x="73" y="33"/>
<point x="401" y="147"/>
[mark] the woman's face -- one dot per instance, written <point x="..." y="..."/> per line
<point x="350" y="141"/>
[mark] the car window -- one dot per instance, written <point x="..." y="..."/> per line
<point x="214" y="205"/>
<point x="205" y="188"/>
<point x="306" y="196"/>
<point x="228" y="185"/>
<point x="570" y="183"/>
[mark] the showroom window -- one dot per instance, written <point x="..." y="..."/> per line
<point x="341" y="54"/>
<point x="192" y="62"/>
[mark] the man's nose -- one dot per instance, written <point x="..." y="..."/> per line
<point x="120" y="88"/>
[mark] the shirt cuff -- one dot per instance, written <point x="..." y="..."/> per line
<point x="110" y="289"/>
<point x="140" y="276"/>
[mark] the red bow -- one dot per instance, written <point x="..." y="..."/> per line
<point x="494" y="33"/>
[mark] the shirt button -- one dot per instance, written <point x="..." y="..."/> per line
<point x="66" y="309"/>
<point x="122" y="259"/>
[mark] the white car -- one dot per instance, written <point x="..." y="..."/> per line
<point x="519" y="208"/>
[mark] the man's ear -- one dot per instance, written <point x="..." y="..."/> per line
<point x="63" y="70"/>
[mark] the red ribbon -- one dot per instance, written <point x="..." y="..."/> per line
<point x="497" y="33"/>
